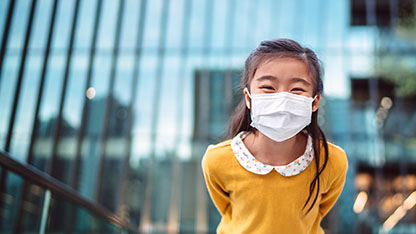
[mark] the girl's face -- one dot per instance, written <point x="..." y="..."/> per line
<point x="283" y="75"/>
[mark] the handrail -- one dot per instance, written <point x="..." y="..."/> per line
<point x="46" y="181"/>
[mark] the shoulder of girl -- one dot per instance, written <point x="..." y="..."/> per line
<point x="218" y="151"/>
<point x="337" y="157"/>
<point x="220" y="145"/>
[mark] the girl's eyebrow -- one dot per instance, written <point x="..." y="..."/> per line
<point x="292" y="80"/>
<point x="267" y="77"/>
<point x="301" y="80"/>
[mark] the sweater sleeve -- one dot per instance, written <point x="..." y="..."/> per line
<point x="330" y="197"/>
<point x="216" y="190"/>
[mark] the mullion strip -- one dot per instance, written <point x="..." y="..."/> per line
<point x="201" y="206"/>
<point x="146" y="212"/>
<point x="109" y="102"/>
<point x="130" y="120"/>
<point x="85" y="109"/>
<point x="58" y="128"/>
<point x="20" y="77"/>
<point x="57" y="135"/>
<point x="16" y="100"/>
<point x="5" y="38"/>
<point x="175" y="202"/>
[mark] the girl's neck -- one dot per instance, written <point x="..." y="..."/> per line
<point x="275" y="153"/>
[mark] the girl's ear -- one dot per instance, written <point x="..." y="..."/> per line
<point x="247" y="98"/>
<point x="315" y="104"/>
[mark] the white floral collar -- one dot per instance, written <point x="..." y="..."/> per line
<point x="250" y="163"/>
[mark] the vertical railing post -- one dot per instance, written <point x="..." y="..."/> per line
<point x="45" y="211"/>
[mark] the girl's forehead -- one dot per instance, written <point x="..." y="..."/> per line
<point x="283" y="68"/>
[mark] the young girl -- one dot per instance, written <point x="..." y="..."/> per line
<point x="277" y="174"/>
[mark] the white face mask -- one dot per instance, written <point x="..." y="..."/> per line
<point x="281" y="115"/>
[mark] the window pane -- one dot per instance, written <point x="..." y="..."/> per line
<point x="41" y="24"/>
<point x="26" y="108"/>
<point x="107" y="24"/>
<point x="129" y="29"/>
<point x="7" y="89"/>
<point x="19" y="23"/>
<point x="63" y="24"/>
<point x="4" y="7"/>
<point x="85" y="25"/>
<point x="152" y="24"/>
<point x="49" y="110"/>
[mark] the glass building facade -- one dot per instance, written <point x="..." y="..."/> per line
<point x="118" y="99"/>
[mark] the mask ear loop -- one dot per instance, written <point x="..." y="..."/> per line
<point x="248" y="93"/>
<point x="313" y="100"/>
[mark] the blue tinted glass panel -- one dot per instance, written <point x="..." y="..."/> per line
<point x="85" y="25"/>
<point x="167" y="121"/>
<point x="286" y="19"/>
<point x="216" y="103"/>
<point x="241" y="24"/>
<point x="162" y="185"/>
<point x="63" y="24"/>
<point x="31" y="218"/>
<point x="219" y="23"/>
<point x="152" y="23"/>
<point x="262" y="25"/>
<point x="26" y="108"/>
<point x="122" y="89"/>
<point x="71" y="118"/>
<point x="97" y="107"/>
<point x="89" y="165"/>
<point x="53" y="86"/>
<point x="4" y="7"/>
<point x="7" y="89"/>
<point x="49" y="109"/>
<point x="129" y="29"/>
<point x="19" y="23"/>
<point x="76" y="92"/>
<point x="41" y="24"/>
<point x="197" y="25"/>
<point x="10" y="203"/>
<point x="141" y="112"/>
<point x="274" y="28"/>
<point x="175" y="23"/>
<point x="312" y="23"/>
<point x="107" y="24"/>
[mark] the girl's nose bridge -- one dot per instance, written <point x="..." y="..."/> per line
<point x="282" y="88"/>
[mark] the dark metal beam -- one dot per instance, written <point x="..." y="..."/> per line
<point x="5" y="38"/>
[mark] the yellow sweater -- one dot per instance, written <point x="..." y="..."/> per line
<point x="272" y="203"/>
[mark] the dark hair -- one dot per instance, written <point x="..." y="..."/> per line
<point x="240" y="120"/>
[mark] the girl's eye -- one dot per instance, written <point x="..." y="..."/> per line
<point x="267" y="87"/>
<point x="297" y="90"/>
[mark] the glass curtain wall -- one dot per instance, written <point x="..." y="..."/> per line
<point x="119" y="100"/>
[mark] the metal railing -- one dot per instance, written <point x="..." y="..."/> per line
<point x="53" y="186"/>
